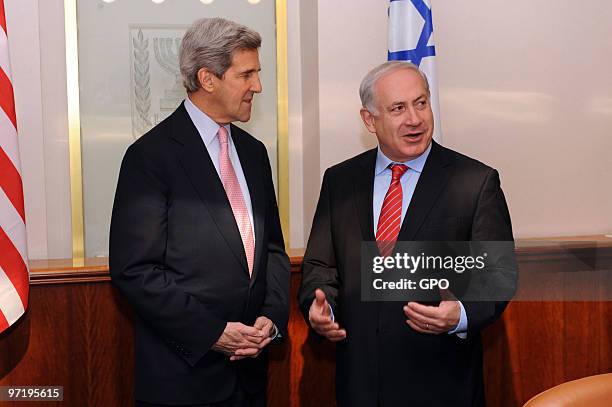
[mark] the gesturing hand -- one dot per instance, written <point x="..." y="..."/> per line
<point x="320" y="319"/>
<point x="237" y="336"/>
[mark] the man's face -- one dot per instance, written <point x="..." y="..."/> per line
<point x="234" y="92"/>
<point x="404" y="123"/>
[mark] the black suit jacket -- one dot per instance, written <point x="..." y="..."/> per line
<point x="383" y="362"/>
<point x="177" y="255"/>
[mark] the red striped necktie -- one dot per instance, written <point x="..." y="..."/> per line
<point x="390" y="219"/>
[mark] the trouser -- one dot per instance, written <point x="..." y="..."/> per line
<point x="238" y="399"/>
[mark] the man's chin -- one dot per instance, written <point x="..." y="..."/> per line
<point x="245" y="117"/>
<point x="414" y="151"/>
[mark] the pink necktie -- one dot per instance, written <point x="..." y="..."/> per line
<point x="390" y="219"/>
<point x="234" y="194"/>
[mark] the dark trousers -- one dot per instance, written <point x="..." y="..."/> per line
<point x="239" y="399"/>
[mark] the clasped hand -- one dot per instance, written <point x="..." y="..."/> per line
<point x="240" y="341"/>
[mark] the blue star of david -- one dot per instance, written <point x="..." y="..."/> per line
<point x="422" y="50"/>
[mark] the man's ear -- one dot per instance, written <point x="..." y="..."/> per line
<point x="368" y="119"/>
<point x="206" y="79"/>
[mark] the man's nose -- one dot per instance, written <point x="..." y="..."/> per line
<point x="256" y="84"/>
<point x="412" y="117"/>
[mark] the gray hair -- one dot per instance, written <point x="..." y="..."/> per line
<point x="210" y="43"/>
<point x="366" y="89"/>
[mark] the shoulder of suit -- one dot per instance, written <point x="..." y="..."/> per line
<point x="353" y="163"/>
<point x="245" y="136"/>
<point x="152" y="148"/>
<point x="462" y="162"/>
<point x="155" y="138"/>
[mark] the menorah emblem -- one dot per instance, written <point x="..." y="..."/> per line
<point x="166" y="53"/>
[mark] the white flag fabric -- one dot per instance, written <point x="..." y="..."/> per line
<point x="14" y="277"/>
<point x="411" y="39"/>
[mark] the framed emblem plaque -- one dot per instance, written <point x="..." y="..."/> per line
<point x="123" y="79"/>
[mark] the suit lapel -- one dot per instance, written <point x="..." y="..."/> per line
<point x="202" y="174"/>
<point x="251" y="166"/>
<point x="432" y="181"/>
<point x="363" y="184"/>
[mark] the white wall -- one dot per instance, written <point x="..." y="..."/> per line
<point x="55" y="127"/>
<point x="309" y="51"/>
<point x="37" y="52"/>
<point x="296" y="146"/>
<point x="352" y="40"/>
<point x="524" y="86"/>
<point x="22" y="27"/>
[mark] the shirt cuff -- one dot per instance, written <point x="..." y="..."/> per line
<point x="275" y="333"/>
<point x="331" y="313"/>
<point x="461" y="328"/>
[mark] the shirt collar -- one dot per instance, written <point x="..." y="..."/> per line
<point x="417" y="164"/>
<point x="206" y="126"/>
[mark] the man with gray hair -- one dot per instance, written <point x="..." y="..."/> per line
<point x="196" y="245"/>
<point x="409" y="188"/>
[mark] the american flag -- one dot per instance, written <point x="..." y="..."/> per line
<point x="14" y="276"/>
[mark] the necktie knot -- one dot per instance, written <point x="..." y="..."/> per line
<point x="222" y="133"/>
<point x="397" y="170"/>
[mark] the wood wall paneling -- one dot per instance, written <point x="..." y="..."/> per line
<point x="78" y="333"/>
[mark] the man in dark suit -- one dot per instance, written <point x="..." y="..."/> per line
<point x="408" y="189"/>
<point x="196" y="245"/>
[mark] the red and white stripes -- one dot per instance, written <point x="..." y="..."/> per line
<point x="390" y="222"/>
<point x="14" y="277"/>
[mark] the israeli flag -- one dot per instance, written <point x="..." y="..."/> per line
<point x="411" y="39"/>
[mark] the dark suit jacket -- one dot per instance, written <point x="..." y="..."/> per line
<point x="383" y="361"/>
<point x="177" y="256"/>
